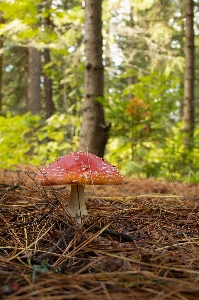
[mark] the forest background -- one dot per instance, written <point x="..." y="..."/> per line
<point x="150" y="89"/>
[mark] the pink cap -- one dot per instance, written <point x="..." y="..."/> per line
<point x="79" y="168"/>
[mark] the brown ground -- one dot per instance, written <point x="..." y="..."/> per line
<point x="140" y="241"/>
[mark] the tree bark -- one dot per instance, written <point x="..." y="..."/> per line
<point x="48" y="88"/>
<point x="33" y="84"/>
<point x="188" y="111"/>
<point x="94" y="133"/>
<point x="48" y="94"/>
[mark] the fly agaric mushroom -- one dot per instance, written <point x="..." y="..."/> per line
<point x="78" y="169"/>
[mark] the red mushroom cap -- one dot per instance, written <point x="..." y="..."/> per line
<point x="79" y="168"/>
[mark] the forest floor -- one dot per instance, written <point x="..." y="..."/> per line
<point x="140" y="241"/>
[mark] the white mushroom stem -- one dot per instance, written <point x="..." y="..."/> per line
<point x="76" y="205"/>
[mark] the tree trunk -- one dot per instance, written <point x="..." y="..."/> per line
<point x="33" y="84"/>
<point x="188" y="111"/>
<point x="48" y="87"/>
<point x="94" y="133"/>
<point x="46" y="6"/>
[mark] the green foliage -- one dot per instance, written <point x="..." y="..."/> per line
<point x="166" y="159"/>
<point x="161" y="159"/>
<point x="57" y="137"/>
<point x="154" y="112"/>
<point x="15" y="135"/>
<point x="146" y="136"/>
<point x="24" y="23"/>
<point x="23" y="139"/>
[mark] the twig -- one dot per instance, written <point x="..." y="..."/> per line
<point x="10" y="187"/>
<point x="67" y="235"/>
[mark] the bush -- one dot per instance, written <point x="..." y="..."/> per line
<point x="27" y="139"/>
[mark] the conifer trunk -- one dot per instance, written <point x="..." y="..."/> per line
<point x="188" y="111"/>
<point x="33" y="85"/>
<point x="48" y="87"/>
<point x="48" y="91"/>
<point x="94" y="133"/>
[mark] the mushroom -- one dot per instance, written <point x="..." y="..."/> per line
<point x="78" y="169"/>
